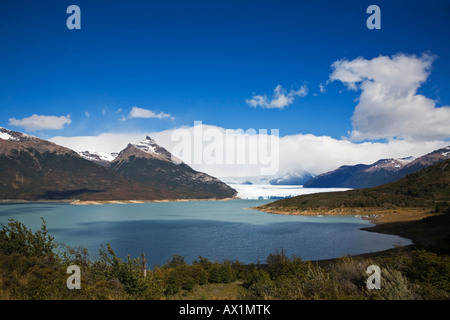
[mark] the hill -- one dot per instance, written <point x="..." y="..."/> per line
<point x="427" y="189"/>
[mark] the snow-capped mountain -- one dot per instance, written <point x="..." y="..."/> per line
<point x="14" y="140"/>
<point x="427" y="160"/>
<point x="7" y="135"/>
<point x="150" y="146"/>
<point x="378" y="173"/>
<point x="34" y="169"/>
<point x="101" y="158"/>
<point x="152" y="165"/>
<point x="10" y="135"/>
<point x="389" y="164"/>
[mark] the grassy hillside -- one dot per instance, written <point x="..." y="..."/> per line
<point x="427" y="189"/>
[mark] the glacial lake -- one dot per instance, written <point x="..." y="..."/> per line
<point x="217" y="230"/>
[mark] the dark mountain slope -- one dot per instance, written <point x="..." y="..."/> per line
<point x="152" y="165"/>
<point x="36" y="169"/>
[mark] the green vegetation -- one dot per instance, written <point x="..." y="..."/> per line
<point x="33" y="266"/>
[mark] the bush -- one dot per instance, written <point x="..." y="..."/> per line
<point x="221" y="273"/>
<point x="258" y="284"/>
<point x="17" y="238"/>
<point x="394" y="286"/>
<point x="430" y="269"/>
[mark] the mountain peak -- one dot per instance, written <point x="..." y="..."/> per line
<point x="388" y="164"/>
<point x="10" y="135"/>
<point x="14" y="140"/>
<point x="150" y="164"/>
<point x="150" y="146"/>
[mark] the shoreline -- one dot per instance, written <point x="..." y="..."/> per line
<point x="408" y="223"/>
<point x="101" y="202"/>
<point x="377" y="216"/>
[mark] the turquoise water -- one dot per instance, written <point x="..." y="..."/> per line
<point x="216" y="230"/>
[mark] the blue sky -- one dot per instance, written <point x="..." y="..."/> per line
<point x="201" y="60"/>
<point x="338" y="92"/>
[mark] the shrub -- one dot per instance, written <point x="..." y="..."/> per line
<point x="15" y="237"/>
<point x="430" y="269"/>
<point x="394" y="286"/>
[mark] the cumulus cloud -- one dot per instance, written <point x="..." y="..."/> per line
<point x="37" y="122"/>
<point x="280" y="99"/>
<point x="104" y="142"/>
<point x="389" y="106"/>
<point x="137" y="112"/>
<point x="300" y="152"/>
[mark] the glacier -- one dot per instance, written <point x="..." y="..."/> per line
<point x="260" y="191"/>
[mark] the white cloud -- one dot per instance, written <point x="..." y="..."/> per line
<point x="389" y="106"/>
<point x="105" y="142"/>
<point x="37" y="122"/>
<point x="322" y="88"/>
<point x="318" y="154"/>
<point x="300" y="152"/>
<point x="137" y="112"/>
<point x="281" y="98"/>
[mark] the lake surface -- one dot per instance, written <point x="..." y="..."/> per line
<point x="216" y="230"/>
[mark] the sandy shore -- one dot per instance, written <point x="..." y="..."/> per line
<point x="375" y="215"/>
<point x="101" y="202"/>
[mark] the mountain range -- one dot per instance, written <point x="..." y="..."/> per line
<point x="427" y="189"/>
<point x="36" y="169"/>
<point x="33" y="168"/>
<point x="351" y="176"/>
<point x="378" y="173"/>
